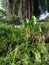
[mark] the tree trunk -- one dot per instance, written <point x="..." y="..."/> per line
<point x="26" y="8"/>
<point x="10" y="5"/>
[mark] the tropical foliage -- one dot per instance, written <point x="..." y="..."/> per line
<point x="24" y="45"/>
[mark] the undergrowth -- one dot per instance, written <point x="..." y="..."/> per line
<point x="25" y="45"/>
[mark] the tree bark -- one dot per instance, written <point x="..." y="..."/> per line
<point x="25" y="8"/>
<point x="10" y="5"/>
